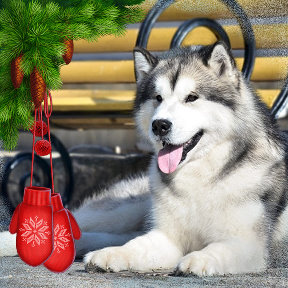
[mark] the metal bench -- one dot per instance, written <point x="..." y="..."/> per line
<point x="93" y="106"/>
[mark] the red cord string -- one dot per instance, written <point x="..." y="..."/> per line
<point x="41" y="121"/>
<point x="33" y="147"/>
<point x="48" y="114"/>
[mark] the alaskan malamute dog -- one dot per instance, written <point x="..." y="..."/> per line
<point x="218" y="181"/>
<point x="214" y="201"/>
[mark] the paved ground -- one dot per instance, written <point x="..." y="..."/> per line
<point x="14" y="273"/>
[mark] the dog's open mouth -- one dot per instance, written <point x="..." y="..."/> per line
<point x="170" y="156"/>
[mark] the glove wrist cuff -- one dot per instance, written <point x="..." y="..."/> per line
<point x="39" y="196"/>
<point x="56" y="202"/>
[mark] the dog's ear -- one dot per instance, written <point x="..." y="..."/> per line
<point x="144" y="61"/>
<point x="221" y="59"/>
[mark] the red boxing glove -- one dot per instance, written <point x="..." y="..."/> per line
<point x="65" y="230"/>
<point x="32" y="221"/>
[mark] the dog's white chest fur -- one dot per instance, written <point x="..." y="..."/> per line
<point x="198" y="211"/>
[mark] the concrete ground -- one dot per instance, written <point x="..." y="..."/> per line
<point x="15" y="274"/>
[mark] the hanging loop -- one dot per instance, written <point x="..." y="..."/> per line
<point x="48" y="114"/>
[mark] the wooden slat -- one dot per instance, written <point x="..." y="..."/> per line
<point x="98" y="72"/>
<point x="89" y="123"/>
<point x="187" y="9"/>
<point x="267" y="36"/>
<point x="268" y="96"/>
<point x="93" y="100"/>
<point x="114" y="100"/>
<point x="266" y="69"/>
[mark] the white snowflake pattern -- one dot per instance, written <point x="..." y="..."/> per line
<point x="35" y="231"/>
<point x="60" y="238"/>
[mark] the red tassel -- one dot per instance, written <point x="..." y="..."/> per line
<point x="42" y="147"/>
<point x="38" y="128"/>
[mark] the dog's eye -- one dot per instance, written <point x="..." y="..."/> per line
<point x="191" y="97"/>
<point x="159" y="98"/>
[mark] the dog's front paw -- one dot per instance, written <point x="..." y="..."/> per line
<point x="198" y="263"/>
<point x="112" y="259"/>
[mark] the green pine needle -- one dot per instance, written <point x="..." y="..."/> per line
<point x="36" y="29"/>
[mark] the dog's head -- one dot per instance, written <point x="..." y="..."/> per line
<point x="185" y="101"/>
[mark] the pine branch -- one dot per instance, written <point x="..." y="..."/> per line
<point x="37" y="29"/>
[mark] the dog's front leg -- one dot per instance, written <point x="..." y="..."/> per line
<point x="231" y="256"/>
<point x="149" y="252"/>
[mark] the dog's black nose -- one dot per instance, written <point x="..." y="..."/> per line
<point x="161" y="127"/>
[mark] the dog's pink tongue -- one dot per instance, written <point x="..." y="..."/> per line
<point x="169" y="157"/>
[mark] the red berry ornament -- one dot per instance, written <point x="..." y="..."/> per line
<point x="38" y="129"/>
<point x="42" y="148"/>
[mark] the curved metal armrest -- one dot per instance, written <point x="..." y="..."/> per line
<point x="241" y="16"/>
